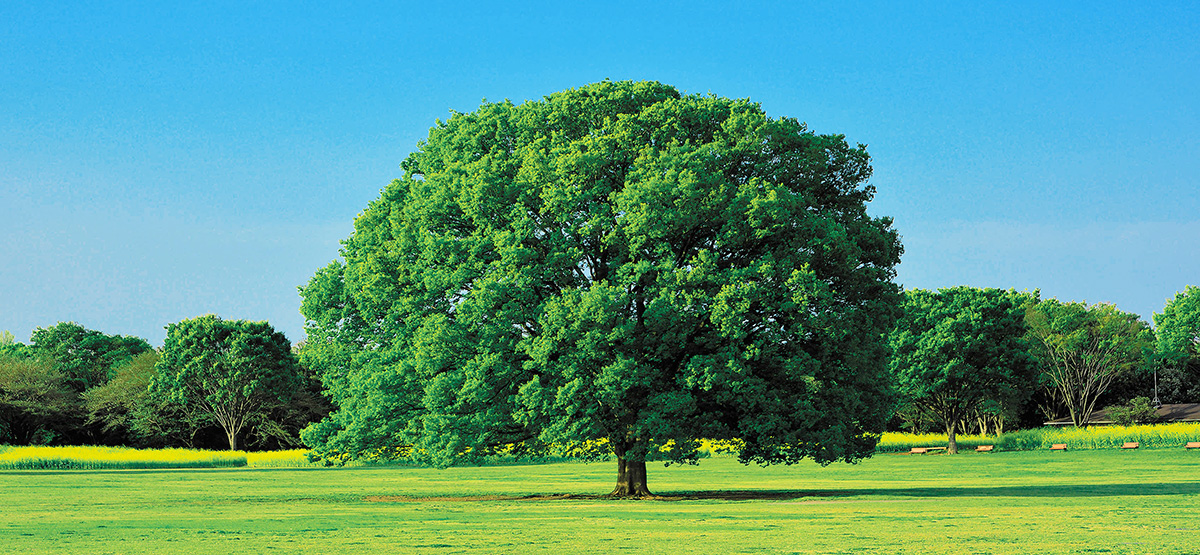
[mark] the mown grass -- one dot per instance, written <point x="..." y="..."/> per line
<point x="1102" y="500"/>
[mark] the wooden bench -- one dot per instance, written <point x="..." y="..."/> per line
<point x="984" y="449"/>
<point x="1192" y="445"/>
<point x="1058" y="447"/>
<point x="924" y="450"/>
<point x="1130" y="445"/>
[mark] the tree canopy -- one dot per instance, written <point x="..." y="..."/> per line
<point x="1177" y="332"/>
<point x="618" y="269"/>
<point x="956" y="349"/>
<point x="10" y="346"/>
<point x="34" y="399"/>
<point x="233" y="371"/>
<point x="86" y="357"/>
<point x="1083" y="349"/>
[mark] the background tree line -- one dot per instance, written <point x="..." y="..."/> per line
<point x="975" y="360"/>
<point x="215" y="383"/>
<point x="964" y="360"/>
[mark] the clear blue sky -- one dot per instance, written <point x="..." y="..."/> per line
<point x="159" y="162"/>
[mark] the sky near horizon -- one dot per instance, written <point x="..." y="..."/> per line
<point x="159" y="162"/>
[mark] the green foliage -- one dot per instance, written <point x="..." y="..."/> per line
<point x="1139" y="410"/>
<point x="1178" y="327"/>
<point x="1083" y="349"/>
<point x="114" y="404"/>
<point x="131" y="414"/>
<point x="1177" y="332"/>
<point x="84" y="356"/>
<point x="959" y="351"/>
<point x="11" y="347"/>
<point x="232" y="371"/>
<point x="612" y="269"/>
<point x="34" y="400"/>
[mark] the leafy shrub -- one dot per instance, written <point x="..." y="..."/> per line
<point x="1138" y="411"/>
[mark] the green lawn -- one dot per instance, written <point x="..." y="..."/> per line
<point x="1102" y="501"/>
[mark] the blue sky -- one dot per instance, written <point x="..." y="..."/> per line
<point x="160" y="162"/>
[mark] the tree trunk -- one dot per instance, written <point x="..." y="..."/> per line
<point x="232" y="435"/>
<point x="951" y="432"/>
<point x="631" y="479"/>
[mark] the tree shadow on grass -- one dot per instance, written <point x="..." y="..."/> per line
<point x="842" y="496"/>
<point x="1053" y="490"/>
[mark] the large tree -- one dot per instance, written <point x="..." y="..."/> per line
<point x="1177" y="331"/>
<point x="956" y="349"/>
<point x="615" y="269"/>
<point x="233" y="371"/>
<point x="86" y="357"/>
<point x="1084" y="349"/>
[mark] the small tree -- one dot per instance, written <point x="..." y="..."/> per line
<point x="1082" y="349"/>
<point x="959" y="353"/>
<point x="233" y="371"/>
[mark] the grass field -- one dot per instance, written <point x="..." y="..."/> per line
<point x="1099" y="501"/>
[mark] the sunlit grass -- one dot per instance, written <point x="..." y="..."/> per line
<point x="1086" y="501"/>
<point x="292" y="458"/>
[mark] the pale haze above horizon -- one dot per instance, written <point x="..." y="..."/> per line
<point x="161" y="162"/>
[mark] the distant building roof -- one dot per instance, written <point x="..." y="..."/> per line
<point x="1185" y="412"/>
